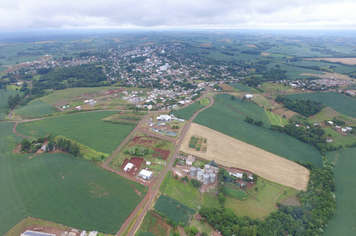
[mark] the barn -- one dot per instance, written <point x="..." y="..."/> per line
<point x="146" y="174"/>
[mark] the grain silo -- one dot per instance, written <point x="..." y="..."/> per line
<point x="206" y="179"/>
<point x="200" y="175"/>
<point x="193" y="171"/>
<point x="212" y="178"/>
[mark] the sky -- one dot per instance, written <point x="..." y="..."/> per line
<point x="177" y="14"/>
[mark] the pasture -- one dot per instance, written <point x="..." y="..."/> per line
<point x="86" y="128"/>
<point x="344" y="220"/>
<point x="36" y="108"/>
<point x="294" y="72"/>
<point x="223" y="119"/>
<point x="276" y="119"/>
<point x="232" y="152"/>
<point x="62" y="189"/>
<point x="263" y="101"/>
<point x="4" y="97"/>
<point x="340" y="103"/>
<point x="187" y="111"/>
<point x="186" y="193"/>
<point x="174" y="209"/>
<point x="240" y="87"/>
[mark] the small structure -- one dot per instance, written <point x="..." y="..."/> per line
<point x="146" y="174"/>
<point x="35" y="233"/>
<point x="84" y="233"/>
<point x="128" y="166"/>
<point x="164" y="118"/>
<point x="78" y="108"/>
<point x="211" y="167"/>
<point x="343" y="130"/>
<point x="348" y="128"/>
<point x="148" y="163"/>
<point x="189" y="160"/>
<point x="237" y="175"/>
<point x="43" y="148"/>
<point x="93" y="233"/>
<point x="248" y="96"/>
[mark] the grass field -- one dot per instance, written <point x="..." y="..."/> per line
<point x="62" y="189"/>
<point x="86" y="128"/>
<point x="188" y="111"/>
<point x="174" y="209"/>
<point x="262" y="101"/>
<point x="294" y="72"/>
<point x="240" y="87"/>
<point x="340" y="103"/>
<point x="204" y="101"/>
<point x="154" y="225"/>
<point x="186" y="193"/>
<point x="328" y="114"/>
<point x="227" y="121"/>
<point x="344" y="221"/>
<point x="36" y="108"/>
<point x="236" y="193"/>
<point x="4" y="97"/>
<point x="276" y="119"/>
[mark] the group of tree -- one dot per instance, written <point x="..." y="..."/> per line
<point x="13" y="101"/>
<point x="252" y="121"/>
<point x="303" y="107"/>
<point x="68" y="146"/>
<point x="318" y="206"/>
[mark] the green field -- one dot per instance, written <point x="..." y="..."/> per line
<point x="204" y="101"/>
<point x="186" y="193"/>
<point x="236" y="193"/>
<point x="276" y="119"/>
<point x="188" y="111"/>
<point x="61" y="188"/>
<point x="86" y="128"/>
<point x="36" y="108"/>
<point x="344" y="220"/>
<point x="294" y="72"/>
<point x="262" y="101"/>
<point x="340" y="103"/>
<point x="174" y="209"/>
<point x="240" y="87"/>
<point x="222" y="118"/>
<point x="3" y="101"/>
<point x="153" y="225"/>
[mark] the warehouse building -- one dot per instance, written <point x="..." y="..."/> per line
<point x="146" y="174"/>
<point x="35" y="233"/>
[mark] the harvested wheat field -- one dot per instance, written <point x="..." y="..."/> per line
<point x="284" y="111"/>
<point x="231" y="152"/>
<point x="349" y="61"/>
<point x="226" y="87"/>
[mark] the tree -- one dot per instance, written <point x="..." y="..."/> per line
<point x="221" y="198"/>
<point x="194" y="230"/>
<point x="25" y="144"/>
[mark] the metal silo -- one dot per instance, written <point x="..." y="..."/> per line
<point x="200" y="175"/>
<point x="212" y="178"/>
<point x="206" y="179"/>
<point x="193" y="171"/>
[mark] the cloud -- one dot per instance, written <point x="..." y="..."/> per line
<point x="40" y="14"/>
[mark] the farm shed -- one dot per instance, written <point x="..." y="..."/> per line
<point x="164" y="118"/>
<point x="146" y="174"/>
<point x="35" y="233"/>
<point x="343" y="130"/>
<point x="248" y="96"/>
<point x="43" y="148"/>
<point x="189" y="160"/>
<point x="128" y="166"/>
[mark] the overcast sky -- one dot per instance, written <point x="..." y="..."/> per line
<point x="205" y="14"/>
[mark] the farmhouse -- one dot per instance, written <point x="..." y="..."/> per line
<point x="35" y="233"/>
<point x="128" y="166"/>
<point x="145" y="174"/>
<point x="189" y="160"/>
<point x="164" y="118"/>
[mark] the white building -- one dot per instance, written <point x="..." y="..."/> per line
<point x="248" y="96"/>
<point x="145" y="174"/>
<point x="128" y="166"/>
<point x="35" y="233"/>
<point x="189" y="160"/>
<point x="164" y="118"/>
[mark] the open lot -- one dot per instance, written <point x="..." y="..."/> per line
<point x="86" y="128"/>
<point x="231" y="152"/>
<point x="62" y="189"/>
<point x="344" y="220"/>
<point x="340" y="103"/>
<point x="240" y="87"/>
<point x="222" y="118"/>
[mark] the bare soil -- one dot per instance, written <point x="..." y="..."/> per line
<point x="226" y="87"/>
<point x="232" y="152"/>
<point x="282" y="111"/>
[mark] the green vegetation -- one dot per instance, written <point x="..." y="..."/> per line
<point x="125" y="118"/>
<point x="186" y="193"/>
<point x="262" y="101"/>
<point x="240" y="87"/>
<point x="36" y="108"/>
<point x="318" y="206"/>
<point x="65" y="190"/>
<point x="276" y="119"/>
<point x="86" y="128"/>
<point x="236" y="193"/>
<point x="154" y="225"/>
<point x="338" y="102"/>
<point x="224" y="119"/>
<point x="188" y="111"/>
<point x="4" y="96"/>
<point x="303" y="107"/>
<point x="204" y="101"/>
<point x="343" y="222"/>
<point x="174" y="209"/>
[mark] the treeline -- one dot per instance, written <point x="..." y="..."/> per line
<point x="78" y="76"/>
<point x="318" y="205"/>
<point x="252" y="121"/>
<point x="68" y="146"/>
<point x="303" y="107"/>
<point x="13" y="101"/>
<point x="275" y="74"/>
